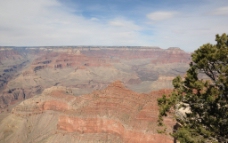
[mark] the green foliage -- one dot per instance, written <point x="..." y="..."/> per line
<point x="205" y="91"/>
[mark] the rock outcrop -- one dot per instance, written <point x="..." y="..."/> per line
<point x="114" y="114"/>
<point x="85" y="69"/>
<point x="63" y="94"/>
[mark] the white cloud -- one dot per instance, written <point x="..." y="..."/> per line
<point x="221" y="11"/>
<point x="48" y="22"/>
<point x="160" y="15"/>
<point x="123" y="23"/>
<point x="94" y="19"/>
<point x="188" y="31"/>
<point x="117" y="23"/>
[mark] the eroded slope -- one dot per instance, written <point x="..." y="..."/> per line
<point x="114" y="114"/>
<point x="26" y="72"/>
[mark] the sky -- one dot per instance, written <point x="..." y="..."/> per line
<point x="187" y="24"/>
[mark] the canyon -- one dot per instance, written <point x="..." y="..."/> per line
<point x="86" y="93"/>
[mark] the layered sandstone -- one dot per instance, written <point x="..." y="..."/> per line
<point x="114" y="114"/>
<point x="25" y="72"/>
<point x="63" y="94"/>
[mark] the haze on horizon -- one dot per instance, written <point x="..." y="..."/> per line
<point x="169" y="23"/>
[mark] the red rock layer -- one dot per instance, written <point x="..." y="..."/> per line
<point x="171" y="55"/>
<point x="9" y="54"/>
<point x="117" y="111"/>
<point x="55" y="105"/>
<point x="63" y="60"/>
<point x="99" y="125"/>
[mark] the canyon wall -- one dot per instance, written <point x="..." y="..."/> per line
<point x="70" y="94"/>
<point x="114" y="114"/>
<point x="27" y="71"/>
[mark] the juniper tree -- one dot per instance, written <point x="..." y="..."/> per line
<point x="204" y="91"/>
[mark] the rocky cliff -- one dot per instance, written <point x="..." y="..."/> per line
<point x="25" y="72"/>
<point x="114" y="114"/>
<point x="68" y="94"/>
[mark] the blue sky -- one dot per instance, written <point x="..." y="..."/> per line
<point x="168" y="23"/>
